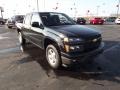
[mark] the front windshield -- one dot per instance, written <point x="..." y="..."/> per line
<point x="56" y="19"/>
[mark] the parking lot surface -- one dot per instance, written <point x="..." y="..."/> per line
<point x="30" y="71"/>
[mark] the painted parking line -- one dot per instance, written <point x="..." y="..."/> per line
<point x="1" y="37"/>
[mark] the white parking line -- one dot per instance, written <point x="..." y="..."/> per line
<point x="1" y="37"/>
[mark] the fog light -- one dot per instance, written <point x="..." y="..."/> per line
<point x="72" y="48"/>
<point x="77" y="47"/>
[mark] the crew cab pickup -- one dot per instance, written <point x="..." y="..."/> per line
<point x="60" y="37"/>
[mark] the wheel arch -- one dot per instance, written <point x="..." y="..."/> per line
<point x="18" y="30"/>
<point x="49" y="40"/>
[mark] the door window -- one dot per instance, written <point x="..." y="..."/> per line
<point x="35" y="18"/>
<point x="27" y="19"/>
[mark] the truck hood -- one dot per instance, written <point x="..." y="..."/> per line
<point x="77" y="31"/>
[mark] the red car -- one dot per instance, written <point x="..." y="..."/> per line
<point x="96" y="21"/>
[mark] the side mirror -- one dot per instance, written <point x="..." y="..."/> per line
<point x="41" y="26"/>
<point x="35" y="24"/>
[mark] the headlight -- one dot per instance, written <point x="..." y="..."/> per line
<point x="69" y="48"/>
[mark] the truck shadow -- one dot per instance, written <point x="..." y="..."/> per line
<point x="105" y="66"/>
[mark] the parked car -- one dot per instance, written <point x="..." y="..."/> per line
<point x="2" y="22"/>
<point x="110" y="19"/>
<point x="63" y="41"/>
<point x="117" y="21"/>
<point x="12" y="21"/>
<point x="96" y="21"/>
<point x="81" y="21"/>
<point x="5" y="20"/>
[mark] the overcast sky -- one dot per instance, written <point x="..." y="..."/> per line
<point x="105" y="7"/>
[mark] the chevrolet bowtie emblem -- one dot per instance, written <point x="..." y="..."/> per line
<point x="94" y="40"/>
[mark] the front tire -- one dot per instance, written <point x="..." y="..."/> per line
<point x="53" y="57"/>
<point x="21" y="39"/>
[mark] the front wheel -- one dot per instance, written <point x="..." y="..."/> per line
<point x="21" y="39"/>
<point x="53" y="56"/>
<point x="22" y="42"/>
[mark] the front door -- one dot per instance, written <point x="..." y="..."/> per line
<point x="36" y="34"/>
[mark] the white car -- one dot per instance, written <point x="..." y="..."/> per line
<point x="117" y="21"/>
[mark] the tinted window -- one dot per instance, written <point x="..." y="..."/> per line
<point x="27" y="19"/>
<point x="56" y="19"/>
<point x="97" y="18"/>
<point x="35" y="18"/>
<point x="81" y="19"/>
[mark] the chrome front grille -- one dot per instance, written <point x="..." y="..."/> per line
<point x="92" y="44"/>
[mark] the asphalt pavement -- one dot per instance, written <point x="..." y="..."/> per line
<point x="30" y="71"/>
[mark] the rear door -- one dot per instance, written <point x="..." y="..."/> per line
<point x="27" y="27"/>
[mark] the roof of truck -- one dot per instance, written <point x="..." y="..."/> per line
<point x="43" y="12"/>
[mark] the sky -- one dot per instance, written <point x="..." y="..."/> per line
<point x="70" y="7"/>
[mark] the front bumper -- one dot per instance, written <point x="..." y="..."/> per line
<point x="98" y="22"/>
<point x="69" y="58"/>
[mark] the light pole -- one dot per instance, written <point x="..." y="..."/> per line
<point x="1" y="10"/>
<point x="14" y="12"/>
<point x="98" y="10"/>
<point x="44" y="5"/>
<point x="118" y="6"/>
<point x="74" y="9"/>
<point x="37" y="5"/>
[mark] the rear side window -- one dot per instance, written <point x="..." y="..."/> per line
<point x="27" y="19"/>
<point x="19" y="18"/>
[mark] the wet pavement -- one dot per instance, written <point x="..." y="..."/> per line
<point x="30" y="71"/>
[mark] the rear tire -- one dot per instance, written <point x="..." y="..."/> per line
<point x="53" y="57"/>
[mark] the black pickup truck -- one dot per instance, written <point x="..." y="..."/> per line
<point x="60" y="37"/>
